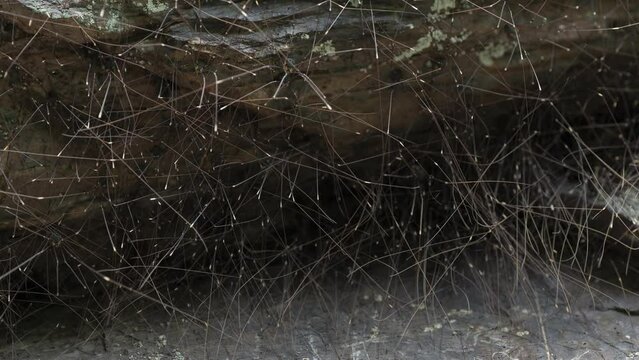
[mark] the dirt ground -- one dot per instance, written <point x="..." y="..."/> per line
<point x="375" y="317"/>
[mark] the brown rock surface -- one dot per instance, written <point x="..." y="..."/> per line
<point x="105" y="103"/>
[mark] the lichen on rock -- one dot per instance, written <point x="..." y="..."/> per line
<point x="492" y="52"/>
<point x="325" y="49"/>
<point x="434" y="37"/>
<point x="155" y="6"/>
<point x="443" y="5"/>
